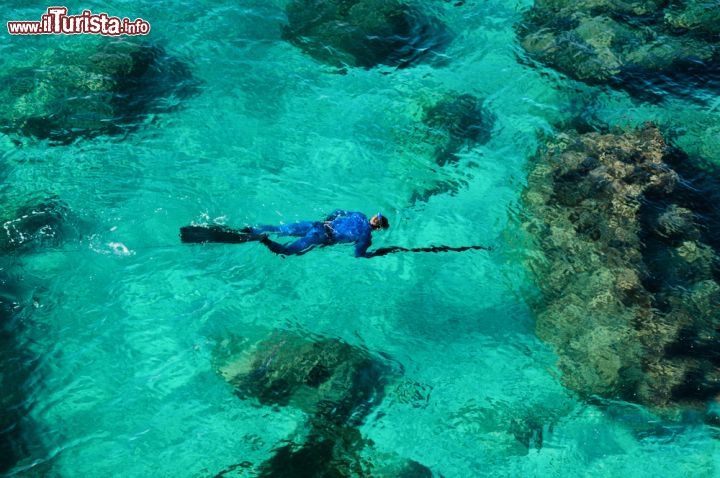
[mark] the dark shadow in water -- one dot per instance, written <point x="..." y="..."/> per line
<point x="40" y="224"/>
<point x="461" y="120"/>
<point x="33" y="226"/>
<point x="454" y="124"/>
<point x="16" y="367"/>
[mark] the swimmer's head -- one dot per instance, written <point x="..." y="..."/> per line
<point x="378" y="221"/>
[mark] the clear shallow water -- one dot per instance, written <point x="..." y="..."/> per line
<point x="126" y="320"/>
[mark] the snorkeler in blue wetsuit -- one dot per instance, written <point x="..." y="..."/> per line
<point x="340" y="227"/>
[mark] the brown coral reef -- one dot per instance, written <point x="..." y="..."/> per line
<point x="646" y="46"/>
<point x="629" y="270"/>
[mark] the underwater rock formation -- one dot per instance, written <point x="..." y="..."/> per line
<point x="645" y="46"/>
<point x="36" y="224"/>
<point x="445" y="128"/>
<point x="329" y="458"/>
<point x="364" y="33"/>
<point x="336" y="385"/>
<point x="329" y="379"/>
<point x="629" y="267"/>
<point x="455" y="122"/>
<point x="110" y="90"/>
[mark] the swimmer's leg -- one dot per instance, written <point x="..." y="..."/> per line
<point x="294" y="229"/>
<point x="313" y="238"/>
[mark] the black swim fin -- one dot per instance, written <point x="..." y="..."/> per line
<point x="224" y="234"/>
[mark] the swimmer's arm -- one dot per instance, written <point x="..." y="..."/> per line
<point x="362" y="245"/>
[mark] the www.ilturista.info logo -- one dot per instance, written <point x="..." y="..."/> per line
<point x="57" y="21"/>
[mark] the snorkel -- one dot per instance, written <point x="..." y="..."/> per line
<point x="379" y="222"/>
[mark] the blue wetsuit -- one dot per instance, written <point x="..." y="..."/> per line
<point x="340" y="227"/>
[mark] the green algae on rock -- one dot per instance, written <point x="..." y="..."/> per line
<point x="364" y="33"/>
<point x="109" y="89"/>
<point x="644" y="46"/>
<point x="629" y="270"/>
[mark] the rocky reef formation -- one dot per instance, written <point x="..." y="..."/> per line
<point x="645" y="46"/>
<point x="66" y="95"/>
<point x="364" y="33"/>
<point x="629" y="267"/>
<point x="337" y="386"/>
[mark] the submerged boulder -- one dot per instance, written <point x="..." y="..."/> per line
<point x="108" y="90"/>
<point x="329" y="379"/>
<point x="445" y="128"/>
<point x="337" y="385"/>
<point x="40" y="223"/>
<point x="455" y="122"/>
<point x="629" y="267"/>
<point x="645" y="46"/>
<point x="364" y="33"/>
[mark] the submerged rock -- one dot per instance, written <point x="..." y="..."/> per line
<point x="42" y="223"/>
<point x="35" y="224"/>
<point x="629" y="267"/>
<point x="336" y="385"/>
<point x="329" y="458"/>
<point x="645" y="46"/>
<point x="364" y="33"/>
<point x="110" y="90"/>
<point x="444" y="129"/>
<point x="455" y="122"/>
<point x="22" y="447"/>
<point x="330" y="379"/>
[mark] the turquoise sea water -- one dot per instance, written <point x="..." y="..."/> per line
<point x="124" y="320"/>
